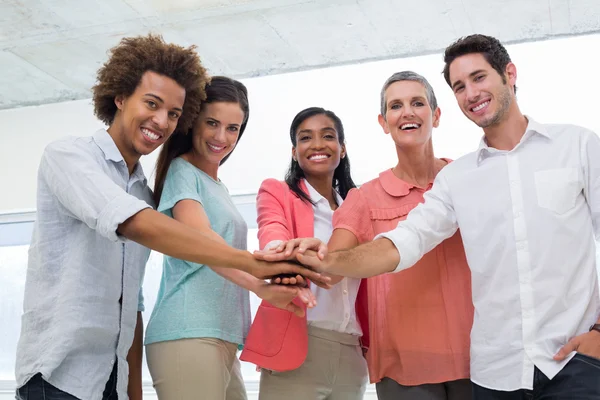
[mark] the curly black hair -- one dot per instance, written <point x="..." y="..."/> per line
<point x="134" y="56"/>
<point x="490" y="47"/>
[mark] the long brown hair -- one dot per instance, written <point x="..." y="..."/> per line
<point x="220" y="89"/>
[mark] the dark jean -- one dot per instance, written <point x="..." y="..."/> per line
<point x="38" y="389"/>
<point x="578" y="380"/>
<point x="389" y="389"/>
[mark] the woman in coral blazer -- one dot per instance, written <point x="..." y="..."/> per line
<point x="318" y="356"/>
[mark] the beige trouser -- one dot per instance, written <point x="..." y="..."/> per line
<point x="335" y="369"/>
<point x="196" y="369"/>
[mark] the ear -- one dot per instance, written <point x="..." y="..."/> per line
<point x="511" y="74"/>
<point x="383" y="123"/>
<point x="436" y="117"/>
<point x="294" y="156"/>
<point x="343" y="153"/>
<point x="119" y="101"/>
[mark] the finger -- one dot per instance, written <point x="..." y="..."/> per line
<point x="273" y="257"/>
<point x="259" y="255"/>
<point x="306" y="244"/>
<point x="567" y="349"/>
<point x="289" y="247"/>
<point x="300" y="281"/>
<point x="322" y="251"/>
<point x="295" y="309"/>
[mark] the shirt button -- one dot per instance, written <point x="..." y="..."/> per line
<point x="345" y="291"/>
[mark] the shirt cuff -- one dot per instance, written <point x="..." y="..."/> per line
<point x="407" y="244"/>
<point x="272" y="244"/>
<point x="117" y="211"/>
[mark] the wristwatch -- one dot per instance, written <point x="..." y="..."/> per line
<point x="595" y="327"/>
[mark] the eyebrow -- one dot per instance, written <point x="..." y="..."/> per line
<point x="412" y="99"/>
<point x="162" y="101"/>
<point x="472" y="74"/>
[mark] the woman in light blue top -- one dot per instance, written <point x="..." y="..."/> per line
<point x="202" y="313"/>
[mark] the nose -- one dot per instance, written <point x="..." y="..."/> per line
<point x="318" y="142"/>
<point x="220" y="134"/>
<point x="472" y="93"/>
<point x="161" y="119"/>
<point x="408" y="111"/>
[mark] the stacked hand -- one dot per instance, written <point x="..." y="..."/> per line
<point x="285" y="266"/>
<point x="310" y="252"/>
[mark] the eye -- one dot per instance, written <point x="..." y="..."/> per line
<point x="458" y="89"/>
<point x="304" y="138"/>
<point x="173" y="115"/>
<point x="233" y="128"/>
<point x="479" y="78"/>
<point x="395" y="106"/>
<point x="329" y="136"/>
<point x="151" y="104"/>
<point x="211" y="123"/>
<point x="418" y="104"/>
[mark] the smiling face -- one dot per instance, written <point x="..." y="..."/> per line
<point x="483" y="95"/>
<point x="216" y="133"/>
<point x="147" y="117"/>
<point x="409" y="118"/>
<point x="318" y="150"/>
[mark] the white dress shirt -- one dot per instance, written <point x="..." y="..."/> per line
<point x="528" y="218"/>
<point x="335" y="309"/>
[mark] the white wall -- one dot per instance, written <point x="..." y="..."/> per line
<point x="558" y="81"/>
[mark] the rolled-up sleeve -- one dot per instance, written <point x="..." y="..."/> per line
<point x="426" y="226"/>
<point x="85" y="191"/>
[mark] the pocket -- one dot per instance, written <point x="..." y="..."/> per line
<point x="557" y="189"/>
<point x="589" y="360"/>
<point x="268" y="330"/>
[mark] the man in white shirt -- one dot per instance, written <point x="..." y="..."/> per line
<point x="527" y="203"/>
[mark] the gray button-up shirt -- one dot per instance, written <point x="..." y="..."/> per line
<point x="83" y="286"/>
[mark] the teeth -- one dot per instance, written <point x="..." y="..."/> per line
<point x="215" y="148"/>
<point x="150" y="134"/>
<point x="481" y="106"/>
<point x="409" y="126"/>
<point x="317" y="157"/>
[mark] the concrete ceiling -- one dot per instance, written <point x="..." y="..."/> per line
<point x="51" y="49"/>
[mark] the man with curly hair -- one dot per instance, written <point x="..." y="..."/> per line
<point x="81" y="334"/>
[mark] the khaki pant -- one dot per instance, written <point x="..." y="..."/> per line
<point x="335" y="369"/>
<point x="196" y="369"/>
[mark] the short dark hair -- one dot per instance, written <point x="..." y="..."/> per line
<point x="132" y="58"/>
<point x="490" y="47"/>
<point x="342" y="180"/>
<point x="220" y="89"/>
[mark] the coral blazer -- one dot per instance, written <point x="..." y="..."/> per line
<point x="278" y="339"/>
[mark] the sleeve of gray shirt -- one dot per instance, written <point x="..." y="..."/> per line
<point x="85" y="190"/>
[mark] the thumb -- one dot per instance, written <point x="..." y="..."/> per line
<point x="298" y="311"/>
<point x="567" y="349"/>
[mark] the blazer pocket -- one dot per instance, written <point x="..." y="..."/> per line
<point x="557" y="189"/>
<point x="268" y="331"/>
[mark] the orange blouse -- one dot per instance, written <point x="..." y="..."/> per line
<point x="419" y="319"/>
